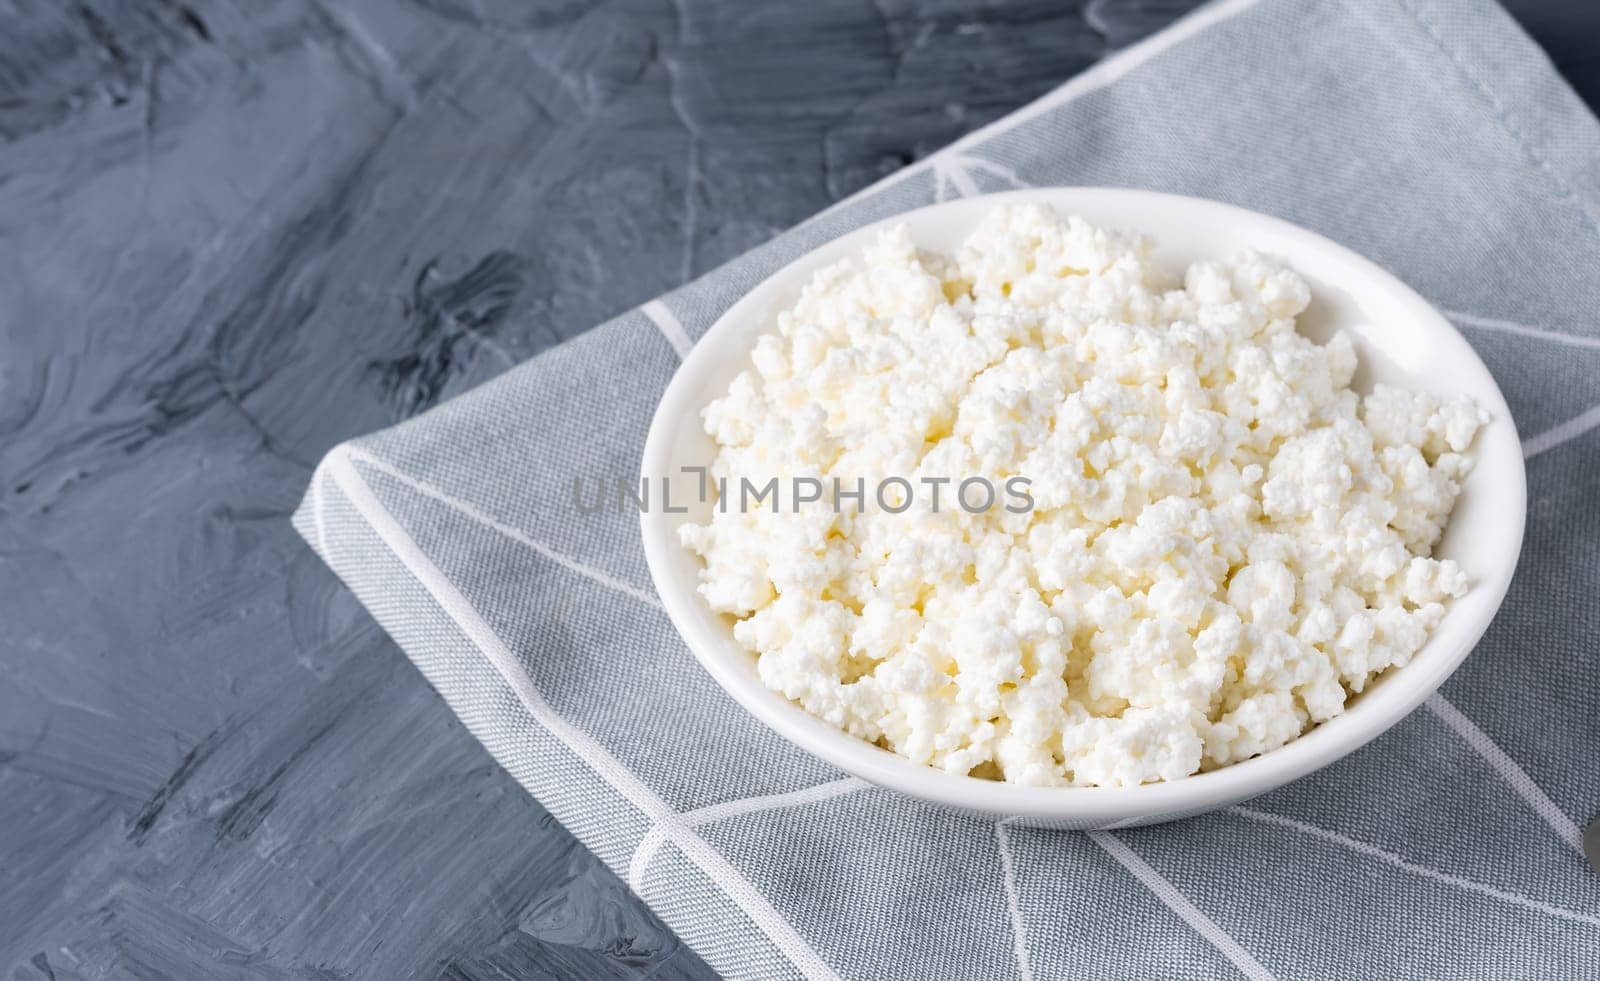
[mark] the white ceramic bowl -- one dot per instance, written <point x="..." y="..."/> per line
<point x="1400" y="340"/>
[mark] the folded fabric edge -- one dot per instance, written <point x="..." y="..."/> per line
<point x="1505" y="68"/>
<point x="716" y="897"/>
<point x="1103" y="72"/>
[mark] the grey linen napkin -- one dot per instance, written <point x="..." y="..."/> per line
<point x="1430" y="135"/>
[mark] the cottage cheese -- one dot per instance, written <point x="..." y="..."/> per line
<point x="1226" y="542"/>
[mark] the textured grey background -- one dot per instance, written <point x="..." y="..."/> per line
<point x="232" y="235"/>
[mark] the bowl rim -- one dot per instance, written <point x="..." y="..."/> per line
<point x="1383" y="705"/>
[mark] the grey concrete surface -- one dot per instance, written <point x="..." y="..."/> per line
<point x="233" y="234"/>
